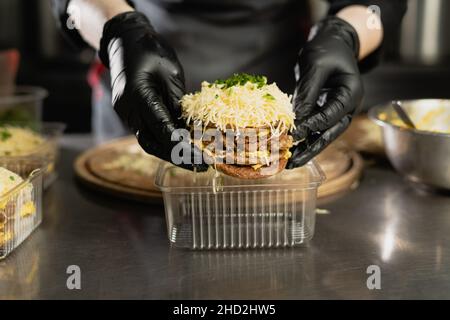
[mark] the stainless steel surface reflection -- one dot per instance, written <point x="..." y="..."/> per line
<point x="123" y="252"/>
<point x="268" y="273"/>
<point x="20" y="273"/>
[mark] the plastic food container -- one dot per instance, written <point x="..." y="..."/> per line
<point x="25" y="104"/>
<point x="45" y="156"/>
<point x="20" y="208"/>
<point x="213" y="211"/>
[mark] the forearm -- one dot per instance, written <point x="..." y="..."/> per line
<point x="370" y="32"/>
<point x="91" y="15"/>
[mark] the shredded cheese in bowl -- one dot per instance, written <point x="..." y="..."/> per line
<point x="240" y="104"/>
<point x="16" y="141"/>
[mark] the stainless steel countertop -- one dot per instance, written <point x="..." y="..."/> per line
<point x="122" y="249"/>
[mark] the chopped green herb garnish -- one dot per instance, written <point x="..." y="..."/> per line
<point x="268" y="96"/>
<point x="240" y="79"/>
<point x="216" y="96"/>
<point x="4" y="135"/>
<point x="11" y="178"/>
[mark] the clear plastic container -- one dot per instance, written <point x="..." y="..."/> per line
<point x="20" y="208"/>
<point x="24" y="104"/>
<point x="211" y="210"/>
<point x="46" y="155"/>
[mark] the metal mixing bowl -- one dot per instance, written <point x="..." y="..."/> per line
<point x="421" y="156"/>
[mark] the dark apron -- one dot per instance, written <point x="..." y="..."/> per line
<point x="216" y="38"/>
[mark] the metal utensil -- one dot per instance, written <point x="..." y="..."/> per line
<point x="397" y="105"/>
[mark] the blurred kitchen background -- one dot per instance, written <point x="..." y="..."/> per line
<point x="418" y="57"/>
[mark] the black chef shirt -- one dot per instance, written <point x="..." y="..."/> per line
<point x="215" y="38"/>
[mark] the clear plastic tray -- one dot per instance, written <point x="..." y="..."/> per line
<point x="213" y="211"/>
<point x="20" y="208"/>
<point x="45" y="156"/>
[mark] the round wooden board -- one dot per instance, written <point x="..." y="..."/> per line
<point x="344" y="182"/>
<point x="364" y="136"/>
<point x="341" y="181"/>
<point x="90" y="179"/>
<point x="334" y="161"/>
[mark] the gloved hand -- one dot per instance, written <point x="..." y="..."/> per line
<point x="147" y="83"/>
<point x="327" y="63"/>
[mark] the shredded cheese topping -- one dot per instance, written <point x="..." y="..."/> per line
<point x="248" y="105"/>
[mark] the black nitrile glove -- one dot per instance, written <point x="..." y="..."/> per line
<point x="328" y="63"/>
<point x="147" y="83"/>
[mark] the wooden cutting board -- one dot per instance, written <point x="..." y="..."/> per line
<point x="342" y="168"/>
<point x="364" y="136"/>
<point x="120" y="183"/>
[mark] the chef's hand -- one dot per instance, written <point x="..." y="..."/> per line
<point x="147" y="84"/>
<point x="328" y="63"/>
